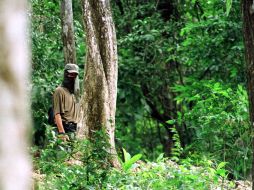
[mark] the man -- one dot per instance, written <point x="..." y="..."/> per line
<point x="65" y="105"/>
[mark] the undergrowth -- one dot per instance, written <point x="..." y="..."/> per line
<point x="85" y="165"/>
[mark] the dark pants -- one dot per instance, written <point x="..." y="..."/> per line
<point x="70" y="127"/>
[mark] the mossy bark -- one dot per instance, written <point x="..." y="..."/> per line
<point x="101" y="69"/>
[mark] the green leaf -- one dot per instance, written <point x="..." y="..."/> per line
<point x="160" y="157"/>
<point x="221" y="165"/>
<point x="126" y="155"/>
<point x="228" y="6"/>
<point x="171" y="122"/>
<point x="221" y="172"/>
<point x="216" y="86"/>
<point x="127" y="165"/>
<point x="149" y="37"/>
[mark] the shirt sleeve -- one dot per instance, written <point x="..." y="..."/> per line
<point x="58" y="100"/>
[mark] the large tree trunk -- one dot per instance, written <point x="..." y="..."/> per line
<point x="248" y="19"/>
<point x="68" y="32"/>
<point x="15" y="166"/>
<point x="100" y="80"/>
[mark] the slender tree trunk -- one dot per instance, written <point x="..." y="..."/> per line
<point x="248" y="20"/>
<point x="68" y="32"/>
<point x="15" y="166"/>
<point x="100" y="80"/>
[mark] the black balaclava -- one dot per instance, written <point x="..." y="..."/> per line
<point x="68" y="82"/>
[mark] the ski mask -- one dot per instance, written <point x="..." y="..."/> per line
<point x="71" y="81"/>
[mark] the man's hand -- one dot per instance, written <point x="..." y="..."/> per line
<point x="64" y="137"/>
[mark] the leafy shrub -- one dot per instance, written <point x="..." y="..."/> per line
<point x="165" y="174"/>
<point x="129" y="161"/>
<point x="74" y="165"/>
<point x="95" y="173"/>
<point x="219" y="122"/>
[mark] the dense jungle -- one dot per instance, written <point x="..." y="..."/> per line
<point x="182" y="117"/>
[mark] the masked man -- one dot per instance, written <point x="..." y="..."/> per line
<point x="65" y="104"/>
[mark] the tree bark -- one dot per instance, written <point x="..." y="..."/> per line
<point x="68" y="32"/>
<point x="15" y="168"/>
<point x="98" y="104"/>
<point x="248" y="29"/>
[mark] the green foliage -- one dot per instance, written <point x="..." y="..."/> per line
<point x="94" y="173"/>
<point x="166" y="174"/>
<point x="219" y="122"/>
<point x="202" y="43"/>
<point x="129" y="161"/>
<point x="143" y="63"/>
<point x="58" y="160"/>
<point x="213" y="48"/>
<point x="177" y="149"/>
<point x="228" y="6"/>
<point x="193" y="60"/>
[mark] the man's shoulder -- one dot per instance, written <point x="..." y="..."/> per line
<point x="59" y="89"/>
